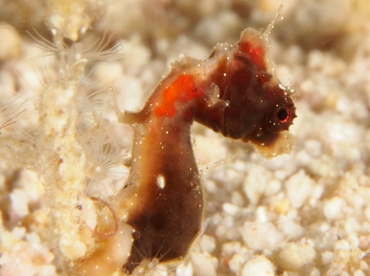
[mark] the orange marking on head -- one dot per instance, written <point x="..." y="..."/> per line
<point x="182" y="89"/>
<point x="256" y="54"/>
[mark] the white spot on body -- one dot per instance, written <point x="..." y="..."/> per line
<point x="161" y="182"/>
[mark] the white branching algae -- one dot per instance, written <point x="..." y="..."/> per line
<point x="59" y="148"/>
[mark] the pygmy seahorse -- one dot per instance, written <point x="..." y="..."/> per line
<point x="233" y="92"/>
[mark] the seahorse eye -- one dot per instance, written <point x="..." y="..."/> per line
<point x="283" y="115"/>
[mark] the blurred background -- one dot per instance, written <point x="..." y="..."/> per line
<point x="306" y="213"/>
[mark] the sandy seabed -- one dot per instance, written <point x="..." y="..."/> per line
<point x="306" y="213"/>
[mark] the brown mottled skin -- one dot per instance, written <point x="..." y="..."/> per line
<point x="232" y="92"/>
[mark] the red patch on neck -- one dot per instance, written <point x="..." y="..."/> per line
<point x="182" y="89"/>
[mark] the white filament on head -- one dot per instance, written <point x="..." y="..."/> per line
<point x="270" y="26"/>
